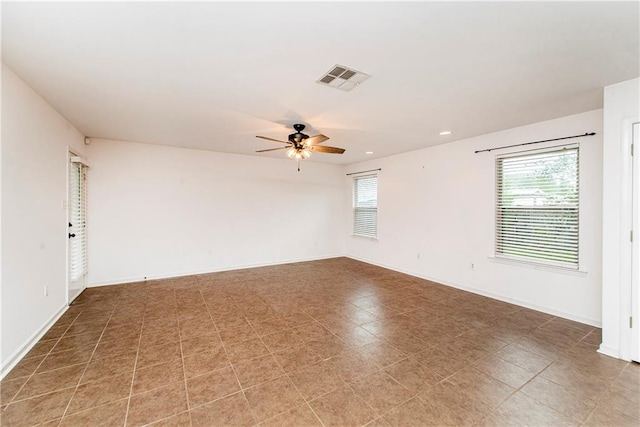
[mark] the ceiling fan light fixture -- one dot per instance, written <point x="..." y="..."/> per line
<point x="301" y="146"/>
<point x="298" y="153"/>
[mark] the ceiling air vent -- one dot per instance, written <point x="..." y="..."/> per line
<point x="343" y="78"/>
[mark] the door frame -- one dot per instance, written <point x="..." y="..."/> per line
<point x="634" y="289"/>
<point x="629" y="249"/>
<point x="70" y="156"/>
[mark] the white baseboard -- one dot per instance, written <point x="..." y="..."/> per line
<point x="609" y="351"/>
<point x="24" y="349"/>
<point x="557" y="313"/>
<point x="170" y="275"/>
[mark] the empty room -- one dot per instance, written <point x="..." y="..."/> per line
<point x="320" y="214"/>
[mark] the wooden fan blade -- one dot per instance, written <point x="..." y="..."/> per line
<point x="272" y="149"/>
<point x="316" y="139"/>
<point x="271" y="139"/>
<point x="325" y="149"/>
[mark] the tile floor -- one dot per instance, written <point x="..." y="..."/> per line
<point x="334" y="342"/>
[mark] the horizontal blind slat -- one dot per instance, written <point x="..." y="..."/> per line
<point x="537" y="213"/>
<point x="365" y="205"/>
<point x="77" y="205"/>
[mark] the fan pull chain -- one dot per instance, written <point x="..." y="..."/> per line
<point x="298" y="162"/>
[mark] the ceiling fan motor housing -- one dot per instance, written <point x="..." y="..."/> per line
<point x="298" y="137"/>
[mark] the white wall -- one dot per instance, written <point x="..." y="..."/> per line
<point x="621" y="109"/>
<point x="439" y="202"/>
<point x="35" y="145"/>
<point x="157" y="211"/>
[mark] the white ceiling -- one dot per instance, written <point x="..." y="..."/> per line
<point x="214" y="75"/>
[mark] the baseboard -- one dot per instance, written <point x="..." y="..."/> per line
<point x="76" y="295"/>
<point x="27" y="346"/>
<point x="557" y="313"/>
<point x="608" y="351"/>
<point x="126" y="280"/>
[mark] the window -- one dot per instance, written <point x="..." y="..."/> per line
<point x="537" y="207"/>
<point x="77" y="220"/>
<point x="365" y="206"/>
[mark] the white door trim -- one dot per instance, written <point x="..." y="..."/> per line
<point x="626" y="245"/>
<point x="634" y="291"/>
<point x="72" y="292"/>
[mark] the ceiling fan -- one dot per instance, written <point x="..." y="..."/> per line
<point x="300" y="146"/>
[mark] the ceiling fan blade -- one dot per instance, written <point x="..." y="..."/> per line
<point x="272" y="149"/>
<point x="271" y="139"/>
<point x="316" y="139"/>
<point x="325" y="149"/>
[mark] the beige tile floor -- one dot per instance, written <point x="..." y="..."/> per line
<point x="334" y="342"/>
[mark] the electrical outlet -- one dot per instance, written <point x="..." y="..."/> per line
<point x="418" y="255"/>
<point x="473" y="266"/>
<point x="46" y="291"/>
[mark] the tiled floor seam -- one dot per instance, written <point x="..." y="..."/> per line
<point x="135" y="365"/>
<point x="12" y="400"/>
<point x="389" y="409"/>
<point x="151" y="424"/>
<point x="184" y="372"/>
<point x="226" y="352"/>
<point x="86" y="367"/>
<point x="285" y="374"/>
<point x="599" y="399"/>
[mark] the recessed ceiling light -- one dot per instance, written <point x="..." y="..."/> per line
<point x="369" y="152"/>
<point x="445" y="132"/>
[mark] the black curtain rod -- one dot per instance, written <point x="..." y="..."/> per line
<point x="370" y="170"/>
<point x="536" y="142"/>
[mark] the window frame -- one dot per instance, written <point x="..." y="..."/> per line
<point x="534" y="261"/>
<point x="354" y="208"/>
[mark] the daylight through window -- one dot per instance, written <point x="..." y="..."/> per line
<point x="537" y="207"/>
<point x="365" y="206"/>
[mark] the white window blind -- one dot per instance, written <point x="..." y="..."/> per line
<point x="78" y="221"/>
<point x="365" y="206"/>
<point x="537" y="212"/>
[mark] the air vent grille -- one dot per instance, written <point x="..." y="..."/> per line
<point x="343" y="78"/>
<point x="327" y="79"/>
<point x="337" y="71"/>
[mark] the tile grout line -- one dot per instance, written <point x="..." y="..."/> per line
<point x="135" y="363"/>
<point x="226" y="352"/>
<point x="345" y="383"/>
<point x="285" y="374"/>
<point x="601" y="398"/>
<point x="86" y="367"/>
<point x="12" y="400"/>
<point x="283" y="370"/>
<point x="184" y="371"/>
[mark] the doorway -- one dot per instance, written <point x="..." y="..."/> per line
<point x="77" y="218"/>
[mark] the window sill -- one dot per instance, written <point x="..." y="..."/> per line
<point x="538" y="266"/>
<point x="359" y="236"/>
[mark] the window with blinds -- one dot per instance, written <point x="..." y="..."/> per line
<point x="537" y="211"/>
<point x="365" y="206"/>
<point x="77" y="221"/>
